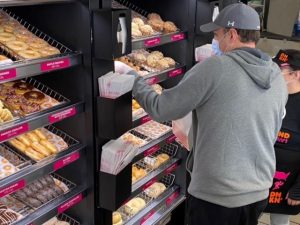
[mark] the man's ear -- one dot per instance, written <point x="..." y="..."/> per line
<point x="297" y="74"/>
<point x="233" y="34"/>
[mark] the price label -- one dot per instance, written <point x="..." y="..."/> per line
<point x="172" y="198"/>
<point x="152" y="80"/>
<point x="70" y="203"/>
<point x="4" y="135"/>
<point x="149" y="215"/>
<point x="171" y="139"/>
<point x="178" y="37"/>
<point x="8" y="74"/>
<point x="171" y="168"/>
<point x="66" y="160"/>
<point x="54" y="65"/>
<point x="149" y="183"/>
<point x="12" y="188"/>
<point x="152" y="150"/>
<point x="62" y="115"/>
<point x="152" y="42"/>
<point x="175" y="73"/>
<point x="145" y="119"/>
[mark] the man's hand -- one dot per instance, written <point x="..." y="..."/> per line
<point x="291" y="201"/>
<point x="122" y="68"/>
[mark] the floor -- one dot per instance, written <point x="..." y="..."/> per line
<point x="265" y="220"/>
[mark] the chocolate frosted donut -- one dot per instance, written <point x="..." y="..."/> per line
<point x="28" y="192"/>
<point x="43" y="181"/>
<point x="21" y="195"/>
<point x="22" y="87"/>
<point x="34" y="96"/>
<point x="42" y="198"/>
<point x="58" y="190"/>
<point x="50" y="180"/>
<point x="34" y="202"/>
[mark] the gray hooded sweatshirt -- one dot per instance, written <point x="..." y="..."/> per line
<point x="238" y="102"/>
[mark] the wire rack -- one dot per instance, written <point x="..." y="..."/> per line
<point x="70" y="185"/>
<point x="66" y="218"/>
<point x="122" y="3"/>
<point x="63" y="49"/>
<point x="13" y="157"/>
<point x="67" y="138"/>
<point x="167" y="180"/>
<point x="148" y="163"/>
<point x="46" y="90"/>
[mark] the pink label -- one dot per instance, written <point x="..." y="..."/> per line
<point x="152" y="80"/>
<point x="178" y="37"/>
<point x="8" y="74"/>
<point x="54" y="65"/>
<point x="66" y="160"/>
<point x="152" y="42"/>
<point x="4" y="135"/>
<point x="12" y="188"/>
<point x="171" y="139"/>
<point x="149" y="215"/>
<point x="171" y="199"/>
<point x="69" y="203"/>
<point x="151" y="150"/>
<point x="149" y="183"/>
<point x="145" y="119"/>
<point x="175" y="73"/>
<point x="171" y="168"/>
<point x="62" y="115"/>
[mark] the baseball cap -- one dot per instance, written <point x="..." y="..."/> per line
<point x="288" y="57"/>
<point x="238" y="15"/>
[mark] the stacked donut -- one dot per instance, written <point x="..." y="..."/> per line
<point x="21" y="42"/>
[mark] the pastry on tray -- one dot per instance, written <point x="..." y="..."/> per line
<point x="155" y="190"/>
<point x="6" y="168"/>
<point x="134" y="205"/>
<point x="117" y="219"/>
<point x="38" y="144"/>
<point x="55" y="221"/>
<point x="137" y="173"/>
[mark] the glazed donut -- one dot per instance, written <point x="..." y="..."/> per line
<point x="37" y="43"/>
<point x="49" y="146"/>
<point x="8" y="28"/>
<point x="23" y="36"/>
<point x="35" y="96"/>
<point x="29" y="54"/>
<point x="5" y="37"/>
<point x="46" y="51"/>
<point x="22" y="87"/>
<point x="25" y="140"/>
<point x="32" y="137"/>
<point x="18" y="145"/>
<point x="134" y="205"/>
<point x="17" y="45"/>
<point x="41" y="149"/>
<point x="40" y="134"/>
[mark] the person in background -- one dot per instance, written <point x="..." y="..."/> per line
<point x="284" y="197"/>
<point x="237" y="100"/>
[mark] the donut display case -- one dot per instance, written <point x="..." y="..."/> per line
<point x="46" y="121"/>
<point x="28" y="51"/>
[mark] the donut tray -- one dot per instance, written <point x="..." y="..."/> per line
<point x="49" y="93"/>
<point x="169" y="149"/>
<point x="63" y="49"/>
<point x="70" y="141"/>
<point x="167" y="180"/>
<point x="18" y="160"/>
<point x="64" y="184"/>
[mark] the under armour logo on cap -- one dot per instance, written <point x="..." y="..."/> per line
<point x="230" y="23"/>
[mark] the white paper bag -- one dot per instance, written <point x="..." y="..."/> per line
<point x="182" y="128"/>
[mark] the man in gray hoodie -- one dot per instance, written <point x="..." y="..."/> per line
<point x="238" y="101"/>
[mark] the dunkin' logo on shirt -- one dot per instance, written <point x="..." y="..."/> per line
<point x="275" y="197"/>
<point x="283" y="137"/>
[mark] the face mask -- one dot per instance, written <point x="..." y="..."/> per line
<point x="216" y="46"/>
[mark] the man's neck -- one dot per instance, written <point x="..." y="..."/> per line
<point x="293" y="88"/>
